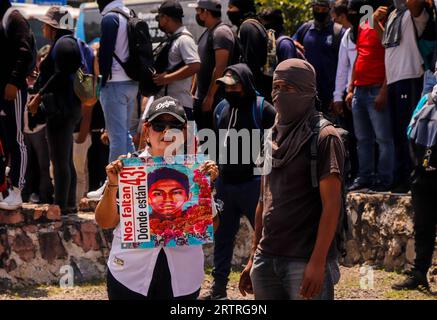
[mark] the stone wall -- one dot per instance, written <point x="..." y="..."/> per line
<point x="36" y="242"/>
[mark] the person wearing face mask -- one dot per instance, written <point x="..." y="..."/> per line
<point x="253" y="40"/>
<point x="321" y="40"/>
<point x="183" y="58"/>
<point x="217" y="50"/>
<point x="405" y="67"/>
<point x="294" y="253"/>
<point x="367" y="98"/>
<point x="237" y="186"/>
<point x="285" y="48"/>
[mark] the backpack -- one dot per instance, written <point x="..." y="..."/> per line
<point x="318" y="123"/>
<point x="423" y="138"/>
<point x="161" y="53"/>
<point x="236" y="52"/>
<point x="85" y="83"/>
<point x="5" y="23"/>
<point x="300" y="54"/>
<point x="336" y="34"/>
<point x="139" y="65"/>
<point x="271" y="60"/>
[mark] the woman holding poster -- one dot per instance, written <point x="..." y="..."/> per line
<point x="160" y="272"/>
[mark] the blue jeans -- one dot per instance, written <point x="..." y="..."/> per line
<point x="118" y="101"/>
<point x="280" y="278"/>
<point x="238" y="199"/>
<point x="372" y="126"/>
<point x="429" y="81"/>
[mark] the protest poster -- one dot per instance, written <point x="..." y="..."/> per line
<point x="164" y="202"/>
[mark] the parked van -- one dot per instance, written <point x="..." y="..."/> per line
<point x="32" y="12"/>
<point x="88" y="24"/>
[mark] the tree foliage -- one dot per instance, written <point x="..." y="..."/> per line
<point x="295" y="12"/>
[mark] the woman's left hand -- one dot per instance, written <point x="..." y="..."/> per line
<point x="210" y="168"/>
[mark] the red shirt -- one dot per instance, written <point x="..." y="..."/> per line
<point x="369" y="67"/>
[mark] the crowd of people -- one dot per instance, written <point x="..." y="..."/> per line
<point x="349" y="72"/>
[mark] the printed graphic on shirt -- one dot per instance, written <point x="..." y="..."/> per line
<point x="164" y="202"/>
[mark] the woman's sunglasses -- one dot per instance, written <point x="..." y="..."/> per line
<point x="160" y="126"/>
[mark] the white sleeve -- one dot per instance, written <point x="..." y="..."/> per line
<point x="341" y="80"/>
<point x="188" y="50"/>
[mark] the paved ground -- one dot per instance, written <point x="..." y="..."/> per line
<point x="348" y="288"/>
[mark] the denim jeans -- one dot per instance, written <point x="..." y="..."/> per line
<point x="280" y="278"/>
<point x="372" y="126"/>
<point x="238" y="199"/>
<point x="429" y="81"/>
<point x="118" y="101"/>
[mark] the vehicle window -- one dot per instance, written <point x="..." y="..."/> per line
<point x="36" y="27"/>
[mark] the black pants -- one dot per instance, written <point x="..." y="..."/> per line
<point x="11" y="128"/>
<point x="424" y="192"/>
<point x="38" y="171"/>
<point x="60" y="138"/>
<point x="98" y="155"/>
<point x="403" y="97"/>
<point x="160" y="287"/>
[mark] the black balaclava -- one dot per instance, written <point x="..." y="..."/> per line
<point x="103" y="3"/>
<point x="247" y="9"/>
<point x="4" y="5"/>
<point x="355" y="18"/>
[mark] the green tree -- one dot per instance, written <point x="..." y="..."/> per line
<point x="295" y="12"/>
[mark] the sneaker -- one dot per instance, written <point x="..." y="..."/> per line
<point x="415" y="280"/>
<point x="359" y="186"/>
<point x="215" y="293"/>
<point x="34" y="198"/>
<point x="97" y="194"/>
<point x="13" y="201"/>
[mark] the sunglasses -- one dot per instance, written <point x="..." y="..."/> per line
<point x="160" y="126"/>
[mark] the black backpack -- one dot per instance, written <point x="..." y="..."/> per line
<point x="139" y="65"/>
<point x="318" y="123"/>
<point x="161" y="53"/>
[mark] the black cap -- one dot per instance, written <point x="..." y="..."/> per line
<point x="166" y="105"/>
<point x="171" y="8"/>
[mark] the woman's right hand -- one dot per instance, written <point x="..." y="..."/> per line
<point x="113" y="170"/>
<point x="34" y="103"/>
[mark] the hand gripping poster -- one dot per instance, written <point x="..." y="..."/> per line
<point x="165" y="202"/>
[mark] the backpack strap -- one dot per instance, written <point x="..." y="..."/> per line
<point x="336" y="36"/>
<point x="129" y="15"/>
<point x="317" y="125"/>
<point x="257" y="112"/>
<point x="218" y="113"/>
<point x="301" y="35"/>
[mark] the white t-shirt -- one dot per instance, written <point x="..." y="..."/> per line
<point x="184" y="49"/>
<point x="134" y="267"/>
<point x="405" y="61"/>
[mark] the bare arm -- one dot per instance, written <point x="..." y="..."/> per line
<point x="330" y="193"/>
<point x="107" y="216"/>
<point x="85" y="124"/>
<point x="221" y="62"/>
<point x="180" y="74"/>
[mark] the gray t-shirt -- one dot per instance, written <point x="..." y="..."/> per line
<point x="222" y="38"/>
<point x="183" y="49"/>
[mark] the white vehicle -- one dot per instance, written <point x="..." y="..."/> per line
<point x="32" y="12"/>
